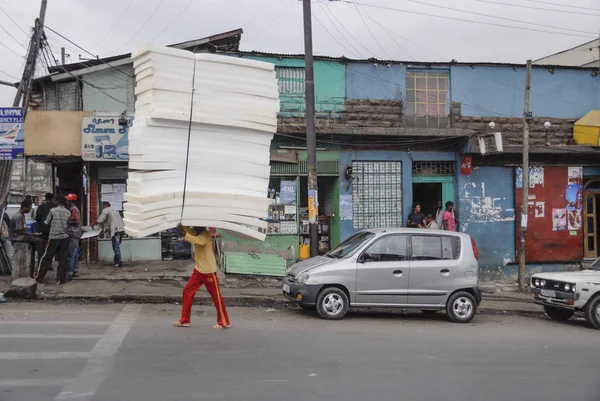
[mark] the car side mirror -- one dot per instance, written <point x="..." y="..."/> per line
<point x="365" y="258"/>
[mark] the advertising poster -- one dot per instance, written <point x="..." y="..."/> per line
<point x="573" y="197"/>
<point x="575" y="175"/>
<point x="12" y="133"/>
<point x="573" y="220"/>
<point x="346" y="207"/>
<point x="540" y="209"/>
<point x="104" y="139"/>
<point x="287" y="192"/>
<point x="559" y="219"/>
<point x="536" y="177"/>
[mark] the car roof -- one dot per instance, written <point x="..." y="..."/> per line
<point x="406" y="230"/>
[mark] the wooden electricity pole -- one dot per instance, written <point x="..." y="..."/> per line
<point x="311" y="134"/>
<point x="525" y="199"/>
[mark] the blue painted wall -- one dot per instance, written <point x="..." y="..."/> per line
<point x="368" y="81"/>
<point x="489" y="91"/>
<point x="346" y="158"/>
<point x="486" y="211"/>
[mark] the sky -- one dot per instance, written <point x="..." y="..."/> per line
<point x="422" y="30"/>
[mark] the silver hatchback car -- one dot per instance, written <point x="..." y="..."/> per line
<point x="405" y="268"/>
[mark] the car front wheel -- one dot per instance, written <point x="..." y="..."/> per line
<point x="461" y="307"/>
<point x="558" y="314"/>
<point x="592" y="312"/>
<point x="332" y="304"/>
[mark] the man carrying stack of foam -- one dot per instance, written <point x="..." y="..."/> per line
<point x="212" y="117"/>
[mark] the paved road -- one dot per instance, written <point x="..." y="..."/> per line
<point x="129" y="352"/>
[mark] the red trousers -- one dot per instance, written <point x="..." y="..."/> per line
<point x="212" y="285"/>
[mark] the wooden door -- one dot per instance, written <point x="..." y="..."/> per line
<point x="590" y="232"/>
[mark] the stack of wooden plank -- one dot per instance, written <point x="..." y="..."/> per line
<point x="223" y="108"/>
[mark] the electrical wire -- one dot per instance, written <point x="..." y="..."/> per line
<point x="11" y="50"/>
<point x="325" y="11"/>
<point x="538" y="8"/>
<point x="563" y="5"/>
<point x="115" y="24"/>
<point x="142" y="27"/>
<point x="13" y="38"/>
<point x="369" y="29"/>
<point x="173" y="20"/>
<point x="467" y="20"/>
<point x="254" y="36"/>
<point x="9" y="75"/>
<point x="330" y="34"/>
<point x="13" y="21"/>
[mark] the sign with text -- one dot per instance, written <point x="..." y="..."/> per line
<point x="12" y="133"/>
<point x="104" y="139"/>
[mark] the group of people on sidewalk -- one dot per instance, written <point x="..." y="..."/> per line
<point x="445" y="219"/>
<point x="59" y="234"/>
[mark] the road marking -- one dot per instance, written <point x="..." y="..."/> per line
<point x="32" y="383"/>
<point x="55" y="322"/>
<point x="51" y="336"/>
<point x="43" y="355"/>
<point x="99" y="365"/>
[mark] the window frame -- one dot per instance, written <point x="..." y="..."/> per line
<point x="407" y="248"/>
<point x="414" y="94"/>
<point x="454" y="240"/>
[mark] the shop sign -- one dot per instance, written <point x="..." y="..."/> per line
<point x="104" y="139"/>
<point x="12" y="133"/>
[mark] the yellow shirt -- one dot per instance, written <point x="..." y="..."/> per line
<point x="203" y="250"/>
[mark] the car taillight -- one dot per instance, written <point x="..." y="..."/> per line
<point x="475" y="251"/>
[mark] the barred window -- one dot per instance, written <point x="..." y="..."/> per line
<point x="377" y="194"/>
<point x="427" y="99"/>
<point x="434" y="168"/>
<point x="290" y="80"/>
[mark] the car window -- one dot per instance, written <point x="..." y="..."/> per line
<point x="391" y="248"/>
<point x="431" y="247"/>
<point x="347" y="247"/>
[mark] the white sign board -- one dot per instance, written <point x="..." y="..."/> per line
<point x="103" y="139"/>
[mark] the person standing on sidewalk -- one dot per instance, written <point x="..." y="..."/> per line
<point x="75" y="233"/>
<point x="58" y="243"/>
<point x="448" y="219"/>
<point x="205" y="272"/>
<point x="110" y="220"/>
<point x="18" y="226"/>
<point x="40" y="217"/>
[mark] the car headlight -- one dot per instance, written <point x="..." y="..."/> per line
<point x="543" y="283"/>
<point x="302" y="277"/>
<point x="537" y="282"/>
<point x="567" y="287"/>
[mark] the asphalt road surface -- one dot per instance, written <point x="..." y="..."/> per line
<point x="130" y="352"/>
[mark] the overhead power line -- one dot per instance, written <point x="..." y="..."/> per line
<point x="13" y="21"/>
<point x="9" y="75"/>
<point x="369" y="29"/>
<point x="173" y="20"/>
<point x="563" y="5"/>
<point x="538" y="8"/>
<point x="326" y="12"/>
<point x="141" y="27"/>
<point x="470" y="21"/>
<point x="115" y="24"/>
<point x="333" y="37"/>
<point x="350" y="33"/>
<point x="11" y="50"/>
<point x="13" y="38"/>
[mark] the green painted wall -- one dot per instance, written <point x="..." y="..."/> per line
<point x="273" y="244"/>
<point x="330" y="88"/>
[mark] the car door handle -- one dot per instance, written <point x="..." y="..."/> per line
<point x="398" y="273"/>
<point x="445" y="271"/>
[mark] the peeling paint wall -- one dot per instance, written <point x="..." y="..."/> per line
<point x="486" y="211"/>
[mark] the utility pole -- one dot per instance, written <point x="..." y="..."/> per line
<point x="525" y="199"/>
<point x="24" y="89"/>
<point x="311" y="134"/>
<point x="63" y="56"/>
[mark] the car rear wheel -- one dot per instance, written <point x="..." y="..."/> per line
<point x="557" y="313"/>
<point x="461" y="307"/>
<point x="332" y="304"/>
<point x="592" y="312"/>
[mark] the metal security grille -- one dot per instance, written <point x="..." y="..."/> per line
<point x="376" y="194"/>
<point x="290" y="80"/>
<point x="433" y="168"/>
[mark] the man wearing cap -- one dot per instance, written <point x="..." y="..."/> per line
<point x="205" y="272"/>
<point x="58" y="243"/>
<point x="75" y="232"/>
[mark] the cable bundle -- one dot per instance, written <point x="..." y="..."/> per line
<point x="200" y="143"/>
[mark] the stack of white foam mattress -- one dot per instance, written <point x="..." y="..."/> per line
<point x="233" y="119"/>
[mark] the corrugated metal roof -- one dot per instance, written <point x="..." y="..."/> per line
<point x="591" y="119"/>
<point x="344" y="59"/>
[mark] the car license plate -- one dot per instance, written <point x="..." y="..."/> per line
<point x="286" y="288"/>
<point x="549" y="293"/>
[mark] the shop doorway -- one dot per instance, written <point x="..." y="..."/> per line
<point x="428" y="194"/>
<point x="328" y="194"/>
<point x="591" y="221"/>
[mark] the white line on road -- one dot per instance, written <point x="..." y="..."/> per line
<point x="43" y="355"/>
<point x="54" y="322"/>
<point x="50" y="336"/>
<point x="32" y="383"/>
<point x="99" y="365"/>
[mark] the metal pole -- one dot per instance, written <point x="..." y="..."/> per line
<point x="525" y="199"/>
<point x="63" y="56"/>
<point x="311" y="134"/>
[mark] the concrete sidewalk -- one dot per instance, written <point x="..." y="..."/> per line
<point x="162" y="282"/>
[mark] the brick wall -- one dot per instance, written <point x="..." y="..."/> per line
<point x="60" y="96"/>
<point x="559" y="133"/>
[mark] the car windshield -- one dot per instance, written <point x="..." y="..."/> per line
<point x="350" y="245"/>
<point x="595" y="265"/>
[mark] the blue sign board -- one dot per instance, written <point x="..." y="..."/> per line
<point x="103" y="138"/>
<point x="12" y="133"/>
<point x="287" y="192"/>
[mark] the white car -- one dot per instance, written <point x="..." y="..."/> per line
<point x="563" y="294"/>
